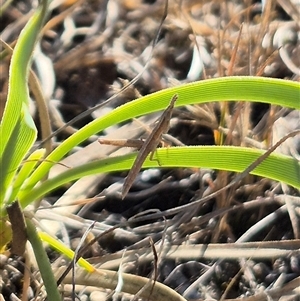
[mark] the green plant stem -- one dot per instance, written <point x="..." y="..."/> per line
<point x="43" y="262"/>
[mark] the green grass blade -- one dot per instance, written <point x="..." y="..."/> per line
<point x="243" y="88"/>
<point x="25" y="171"/>
<point x="21" y="139"/>
<point x="17" y="129"/>
<point x="276" y="167"/>
<point x="61" y="248"/>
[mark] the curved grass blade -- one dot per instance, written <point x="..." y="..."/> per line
<point x="277" y="167"/>
<point x="242" y="88"/>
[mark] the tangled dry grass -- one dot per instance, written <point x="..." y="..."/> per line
<point x="243" y="245"/>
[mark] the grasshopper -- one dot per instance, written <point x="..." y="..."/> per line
<point x="148" y="146"/>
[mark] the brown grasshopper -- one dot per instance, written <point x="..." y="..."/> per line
<point x="148" y="146"/>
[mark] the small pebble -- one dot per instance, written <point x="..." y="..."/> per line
<point x="84" y="298"/>
<point x="260" y="271"/>
<point x="280" y="265"/>
<point x="149" y="174"/>
<point x="30" y="293"/>
<point x="3" y="261"/>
